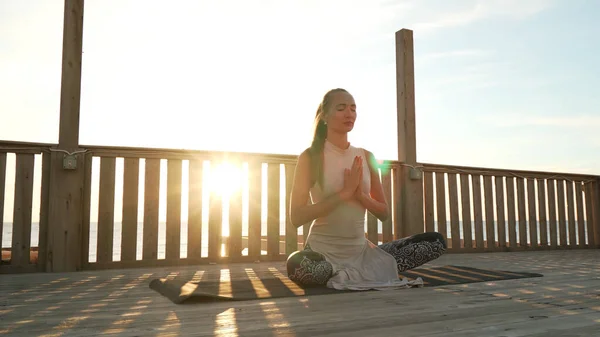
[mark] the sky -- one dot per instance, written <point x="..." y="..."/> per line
<point x="499" y="83"/>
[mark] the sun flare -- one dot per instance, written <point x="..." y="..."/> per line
<point x="226" y="179"/>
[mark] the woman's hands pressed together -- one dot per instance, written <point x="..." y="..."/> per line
<point x="352" y="180"/>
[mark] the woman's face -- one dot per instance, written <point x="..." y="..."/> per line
<point x="342" y="114"/>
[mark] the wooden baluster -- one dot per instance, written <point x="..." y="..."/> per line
<point x="478" y="211"/>
<point x="429" y="205"/>
<point x="291" y="232"/>
<point x="131" y="172"/>
<point x="273" y="220"/>
<point x="151" y="206"/>
<point x="562" y="221"/>
<point x="106" y="210"/>
<point x="511" y="211"/>
<point x="195" y="204"/>
<point x="550" y="184"/>
<point x="2" y="194"/>
<point x="235" y="246"/>
<point x="254" y="209"/>
<point x="465" y="194"/>
<point x="522" y="212"/>
<point x="533" y="222"/>
<point x="454" y="219"/>
<point x="173" y="225"/>
<point x="386" y="226"/>
<point x="499" y="180"/>
<point x="489" y="213"/>
<point x="580" y="218"/>
<point x="542" y="213"/>
<point x="571" y="214"/>
<point x="23" y="200"/>
<point x="440" y="191"/>
<point x="590" y="213"/>
<point x="215" y="218"/>
<point x="44" y="208"/>
<point x="86" y="214"/>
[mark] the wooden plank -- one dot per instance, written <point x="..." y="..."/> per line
<point x="235" y="246"/>
<point x="254" y="208"/>
<point x="194" y="246"/>
<point x="183" y="154"/>
<point x="2" y="191"/>
<point x="500" y="212"/>
<point x="489" y="212"/>
<point x="23" y="201"/>
<point x="571" y="214"/>
<point x="589" y="213"/>
<point x="386" y="226"/>
<point x="151" y="207"/>
<point x="522" y="212"/>
<point x="440" y="193"/>
<point x="511" y="213"/>
<point x="580" y="217"/>
<point x="129" y="224"/>
<point x="273" y="220"/>
<point x="465" y="195"/>
<point x="429" y="205"/>
<point x="532" y="212"/>
<point x="552" y="223"/>
<point x="542" y="212"/>
<point x="106" y="210"/>
<point x="173" y="225"/>
<point x="291" y="232"/>
<point x="44" y="205"/>
<point x="565" y="300"/>
<point x="215" y="219"/>
<point x="454" y="219"/>
<point x="477" y="211"/>
<point x="86" y="211"/>
<point x="562" y="221"/>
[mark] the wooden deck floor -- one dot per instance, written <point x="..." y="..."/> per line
<point x="565" y="303"/>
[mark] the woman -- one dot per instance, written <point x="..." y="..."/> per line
<point x="343" y="183"/>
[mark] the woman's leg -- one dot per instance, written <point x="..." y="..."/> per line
<point x="308" y="268"/>
<point x="416" y="250"/>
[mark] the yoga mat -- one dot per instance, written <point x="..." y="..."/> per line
<point x="181" y="291"/>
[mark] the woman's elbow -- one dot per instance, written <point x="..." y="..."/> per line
<point x="295" y="218"/>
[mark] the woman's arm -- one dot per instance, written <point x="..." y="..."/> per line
<point x="301" y="211"/>
<point x="374" y="200"/>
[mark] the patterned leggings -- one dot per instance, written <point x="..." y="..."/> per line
<point x="310" y="268"/>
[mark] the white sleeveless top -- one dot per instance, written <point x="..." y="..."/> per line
<point x="358" y="264"/>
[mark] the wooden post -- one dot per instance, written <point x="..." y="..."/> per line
<point x="65" y="215"/>
<point x="410" y="206"/>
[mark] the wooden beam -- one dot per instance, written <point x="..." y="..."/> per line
<point x="411" y="196"/>
<point x="65" y="215"/>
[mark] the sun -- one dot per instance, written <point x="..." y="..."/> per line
<point x="226" y="179"/>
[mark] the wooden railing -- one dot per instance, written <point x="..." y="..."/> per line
<point x="24" y="182"/>
<point x="189" y="207"/>
<point x="501" y="210"/>
<point x="153" y="207"/>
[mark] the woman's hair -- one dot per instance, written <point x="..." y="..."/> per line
<point x="320" y="135"/>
